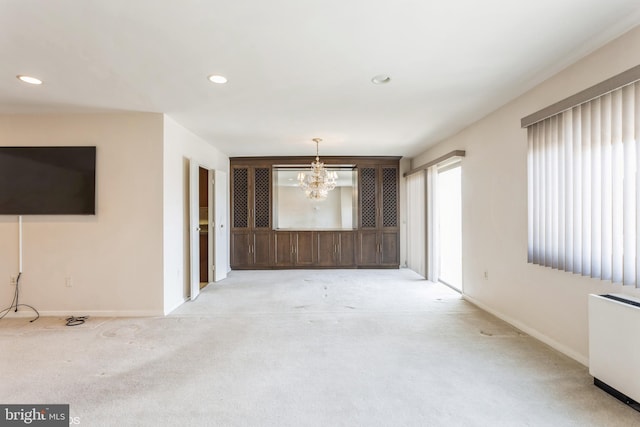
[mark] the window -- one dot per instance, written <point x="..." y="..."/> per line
<point x="583" y="187"/>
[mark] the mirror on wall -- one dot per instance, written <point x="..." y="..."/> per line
<point x="292" y="210"/>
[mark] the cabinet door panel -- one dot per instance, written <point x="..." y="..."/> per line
<point x="239" y="249"/>
<point x="346" y="245"/>
<point x="390" y="249"/>
<point x="389" y="197"/>
<point x="282" y="249"/>
<point x="240" y="198"/>
<point x="368" y="248"/>
<point x="326" y="249"/>
<point x="368" y="198"/>
<point x="305" y="249"/>
<point x="262" y="249"/>
<point x="262" y="198"/>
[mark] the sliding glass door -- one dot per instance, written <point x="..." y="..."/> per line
<point x="449" y="224"/>
<point x="434" y="221"/>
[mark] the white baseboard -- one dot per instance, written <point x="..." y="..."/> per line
<point x="185" y="299"/>
<point x="532" y="332"/>
<point x="27" y="313"/>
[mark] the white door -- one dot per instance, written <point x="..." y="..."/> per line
<point x="194" y="228"/>
<point x="220" y="226"/>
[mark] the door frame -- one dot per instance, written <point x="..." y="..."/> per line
<point x="433" y="248"/>
<point x="217" y="245"/>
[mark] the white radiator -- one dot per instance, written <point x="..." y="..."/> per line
<point x="614" y="345"/>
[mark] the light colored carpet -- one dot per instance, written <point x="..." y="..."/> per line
<point x="304" y="348"/>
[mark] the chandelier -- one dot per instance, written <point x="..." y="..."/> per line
<point x="317" y="183"/>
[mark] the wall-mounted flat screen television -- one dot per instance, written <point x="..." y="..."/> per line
<point x="47" y="180"/>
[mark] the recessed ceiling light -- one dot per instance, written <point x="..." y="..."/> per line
<point x="29" y="79"/>
<point x="216" y="78"/>
<point x="381" y="79"/>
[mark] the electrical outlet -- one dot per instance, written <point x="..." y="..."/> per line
<point x="485" y="275"/>
<point x="68" y="282"/>
<point x="13" y="280"/>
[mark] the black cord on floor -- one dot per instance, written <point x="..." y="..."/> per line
<point x="75" y="321"/>
<point x="15" y="304"/>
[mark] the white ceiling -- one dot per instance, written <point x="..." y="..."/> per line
<point x="297" y="69"/>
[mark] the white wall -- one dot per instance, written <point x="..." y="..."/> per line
<point x="114" y="258"/>
<point x="180" y="145"/>
<point x="549" y="304"/>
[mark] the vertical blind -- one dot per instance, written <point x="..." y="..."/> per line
<point x="416" y="259"/>
<point x="584" y="189"/>
<point x="433" y="231"/>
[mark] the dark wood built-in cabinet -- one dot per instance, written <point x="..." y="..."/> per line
<point x="251" y="217"/>
<point x="373" y="243"/>
<point x="378" y="234"/>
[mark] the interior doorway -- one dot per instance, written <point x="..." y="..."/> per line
<point x="208" y="236"/>
<point x="200" y="236"/>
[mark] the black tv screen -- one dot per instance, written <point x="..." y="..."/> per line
<point x="47" y="180"/>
